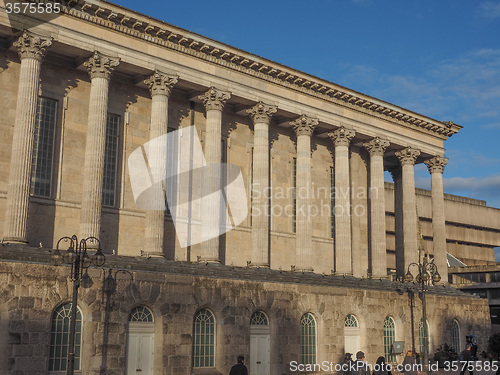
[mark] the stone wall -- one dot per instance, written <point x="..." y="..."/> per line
<point x="174" y="291"/>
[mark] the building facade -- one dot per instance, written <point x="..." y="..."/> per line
<point x="306" y="281"/>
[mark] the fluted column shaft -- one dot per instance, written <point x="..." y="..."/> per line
<point x="160" y="86"/>
<point x="376" y="147"/>
<point x="214" y="101"/>
<point x="304" y="127"/>
<point x="100" y="68"/>
<point x="261" y="114"/>
<point x="407" y="158"/>
<point x="436" y="167"/>
<point x="398" y="220"/>
<point x="31" y="51"/>
<point x="342" y="210"/>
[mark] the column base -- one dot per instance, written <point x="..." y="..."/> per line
<point x="14" y="240"/>
<point x="257" y="265"/>
<point x="303" y="269"/>
<point x="152" y="254"/>
<point x="207" y="260"/>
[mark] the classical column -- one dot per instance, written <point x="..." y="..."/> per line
<point x="342" y="210"/>
<point x="160" y="85"/>
<point x="31" y="49"/>
<point x="376" y="147"/>
<point x="261" y="115"/>
<point x="100" y="68"/>
<point x="398" y="219"/>
<point x="436" y="167"/>
<point x="304" y="127"/>
<point x="407" y="158"/>
<point x="214" y="100"/>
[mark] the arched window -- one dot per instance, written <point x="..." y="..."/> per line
<point x="307" y="339"/>
<point x="389" y="338"/>
<point x="421" y="338"/>
<point x="259" y="318"/>
<point x="140" y="344"/>
<point x="350" y="321"/>
<point x="204" y="339"/>
<point x="455" y="336"/>
<point x="141" y="314"/>
<point x="59" y="338"/>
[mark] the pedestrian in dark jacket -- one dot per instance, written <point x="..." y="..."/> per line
<point x="361" y="368"/>
<point x="409" y="366"/>
<point x="465" y="358"/>
<point x="381" y="367"/>
<point x="239" y="368"/>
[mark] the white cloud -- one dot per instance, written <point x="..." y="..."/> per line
<point x="485" y="188"/>
<point x="489" y="9"/>
<point x="461" y="89"/>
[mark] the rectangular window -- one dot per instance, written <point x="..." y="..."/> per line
<point x="43" y="147"/>
<point x="294" y="178"/>
<point x="110" y="160"/>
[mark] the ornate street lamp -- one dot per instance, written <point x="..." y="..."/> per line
<point x="77" y="256"/>
<point x="427" y="273"/>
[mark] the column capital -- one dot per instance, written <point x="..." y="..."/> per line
<point x="377" y="146"/>
<point x="101" y="66"/>
<point x="161" y="83"/>
<point x="214" y="99"/>
<point x="304" y="125"/>
<point x="262" y="112"/>
<point x="342" y="136"/>
<point x="408" y="156"/>
<point x="32" y="46"/>
<point x="436" y="164"/>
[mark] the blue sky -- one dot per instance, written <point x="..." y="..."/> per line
<point x="438" y="58"/>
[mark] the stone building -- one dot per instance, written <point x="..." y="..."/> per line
<point x="82" y="91"/>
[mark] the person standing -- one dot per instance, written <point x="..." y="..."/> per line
<point x="408" y="366"/>
<point x="465" y="359"/>
<point x="360" y="367"/>
<point x="381" y="367"/>
<point x="239" y="368"/>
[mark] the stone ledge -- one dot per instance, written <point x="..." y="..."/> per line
<point x="27" y="254"/>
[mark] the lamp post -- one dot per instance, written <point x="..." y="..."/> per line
<point x="427" y="271"/>
<point x="76" y="255"/>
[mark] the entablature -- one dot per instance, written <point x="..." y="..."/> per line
<point x="136" y="25"/>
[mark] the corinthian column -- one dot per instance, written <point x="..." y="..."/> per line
<point x="214" y="101"/>
<point x="304" y="127"/>
<point x="342" y="211"/>
<point x="436" y="167"/>
<point x="160" y="85"/>
<point x="376" y="147"/>
<point x="100" y="68"/>
<point x="261" y="114"/>
<point x="31" y="50"/>
<point x="407" y="158"/>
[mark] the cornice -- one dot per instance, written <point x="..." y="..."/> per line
<point x="160" y="33"/>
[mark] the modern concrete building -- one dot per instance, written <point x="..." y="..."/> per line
<point x="303" y="283"/>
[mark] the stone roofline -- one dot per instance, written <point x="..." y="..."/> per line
<point x="120" y="19"/>
<point x="32" y="255"/>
